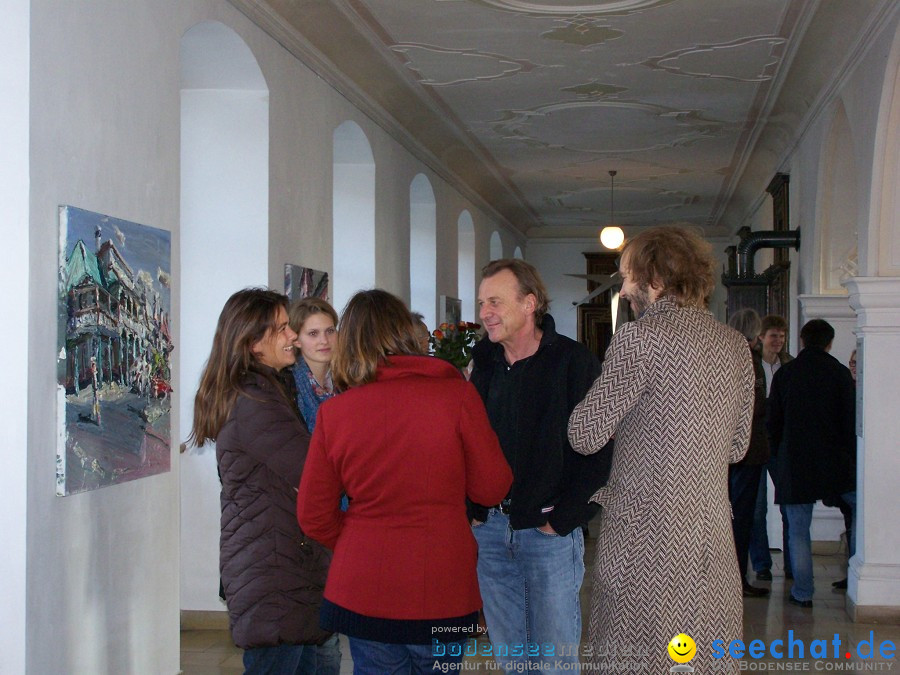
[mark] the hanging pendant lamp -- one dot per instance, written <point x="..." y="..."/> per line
<point x="612" y="236"/>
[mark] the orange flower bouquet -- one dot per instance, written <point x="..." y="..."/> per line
<point x="453" y="342"/>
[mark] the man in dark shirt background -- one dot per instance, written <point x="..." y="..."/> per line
<point x="812" y="434"/>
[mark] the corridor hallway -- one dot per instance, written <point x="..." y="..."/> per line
<point x="211" y="652"/>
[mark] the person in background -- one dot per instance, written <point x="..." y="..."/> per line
<point x="772" y="343"/>
<point x="743" y="477"/>
<point x="272" y="574"/>
<point x="408" y="440"/>
<point x="422" y="332"/>
<point x="531" y="544"/>
<point x="677" y="392"/>
<point x="314" y="321"/>
<point x="812" y="435"/>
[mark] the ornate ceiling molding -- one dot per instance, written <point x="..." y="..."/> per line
<point x="723" y="55"/>
<point x="436" y="66"/>
<point x="650" y="127"/>
<point x="566" y="8"/>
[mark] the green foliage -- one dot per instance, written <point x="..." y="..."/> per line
<point x="454" y="342"/>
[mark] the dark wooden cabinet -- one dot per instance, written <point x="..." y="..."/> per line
<point x="595" y="318"/>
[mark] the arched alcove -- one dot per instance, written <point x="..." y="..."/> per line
<point x="517" y="254"/>
<point x="224" y="242"/>
<point x="496" y="246"/>
<point x="353" y="199"/>
<point x="465" y="266"/>
<point x="423" y="248"/>
<point x="838" y="207"/>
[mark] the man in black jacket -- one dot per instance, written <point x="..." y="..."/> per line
<point x="812" y="434"/>
<point x="531" y="546"/>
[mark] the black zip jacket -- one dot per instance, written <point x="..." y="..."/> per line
<point x="546" y="471"/>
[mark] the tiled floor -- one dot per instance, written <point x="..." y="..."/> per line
<point x="212" y="653"/>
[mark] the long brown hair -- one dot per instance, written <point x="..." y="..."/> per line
<point x="674" y="259"/>
<point x="375" y="324"/>
<point x="245" y="319"/>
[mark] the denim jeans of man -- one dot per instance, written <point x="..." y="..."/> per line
<point x="800" y="521"/>
<point x="529" y="584"/>
<point x="382" y="658"/>
<point x="324" y="659"/>
<point x="743" y="485"/>
<point x="849" y="499"/>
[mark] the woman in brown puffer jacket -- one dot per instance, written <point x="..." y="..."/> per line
<point x="273" y="576"/>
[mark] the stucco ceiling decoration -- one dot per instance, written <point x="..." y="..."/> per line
<point x="630" y="127"/>
<point x="594" y="90"/>
<point x="528" y="104"/>
<point x="566" y="8"/>
<point x="582" y="31"/>
<point x="750" y="59"/>
<point x="441" y="66"/>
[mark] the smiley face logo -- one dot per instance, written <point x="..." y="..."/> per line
<point x="682" y="648"/>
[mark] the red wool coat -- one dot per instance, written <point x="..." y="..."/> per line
<point x="407" y="449"/>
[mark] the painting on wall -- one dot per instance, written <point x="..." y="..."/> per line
<point x="305" y="282"/>
<point x="113" y="366"/>
<point x="451" y="310"/>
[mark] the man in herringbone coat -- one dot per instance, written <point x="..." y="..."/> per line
<point x="676" y="391"/>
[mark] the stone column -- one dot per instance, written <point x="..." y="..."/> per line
<point x="874" y="578"/>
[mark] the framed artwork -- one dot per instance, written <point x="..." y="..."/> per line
<point x="304" y="282"/>
<point x="113" y="364"/>
<point x="451" y="310"/>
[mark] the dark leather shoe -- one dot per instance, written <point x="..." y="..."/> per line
<point x="806" y="604"/>
<point x="841" y="585"/>
<point x="764" y="575"/>
<point x="754" y="591"/>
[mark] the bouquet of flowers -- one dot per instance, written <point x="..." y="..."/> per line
<point x="453" y="342"/>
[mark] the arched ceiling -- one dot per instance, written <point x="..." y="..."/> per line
<point x="528" y="105"/>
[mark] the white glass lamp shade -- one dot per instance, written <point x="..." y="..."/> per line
<point x="612" y="237"/>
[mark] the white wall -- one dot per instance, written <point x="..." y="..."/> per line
<point x="554" y="260"/>
<point x="423" y="249"/>
<point x="224" y="247"/>
<point x="102" y="569"/>
<point x="14" y="343"/>
<point x="353" y="207"/>
<point x="466" y="288"/>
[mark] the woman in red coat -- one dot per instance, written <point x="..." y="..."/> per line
<point x="408" y="441"/>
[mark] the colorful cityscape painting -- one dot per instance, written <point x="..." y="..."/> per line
<point x="115" y="342"/>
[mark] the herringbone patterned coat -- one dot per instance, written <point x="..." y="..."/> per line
<point x="676" y="391"/>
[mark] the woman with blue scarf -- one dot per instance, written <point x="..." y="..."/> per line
<point x="314" y="321"/>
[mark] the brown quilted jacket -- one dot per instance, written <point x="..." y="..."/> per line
<point x="272" y="574"/>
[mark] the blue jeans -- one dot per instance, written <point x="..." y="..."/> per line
<point x="324" y="659"/>
<point x="382" y="658"/>
<point x="799" y="521"/>
<point x="529" y="584"/>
